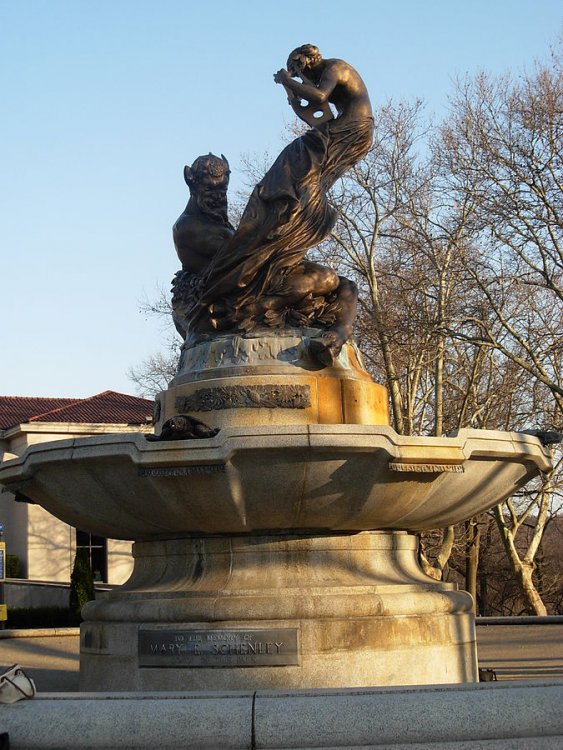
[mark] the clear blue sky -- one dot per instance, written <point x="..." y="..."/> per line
<point x="104" y="102"/>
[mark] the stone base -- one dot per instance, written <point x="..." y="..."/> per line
<point x="294" y="611"/>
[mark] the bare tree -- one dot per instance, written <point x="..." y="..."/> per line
<point x="532" y="509"/>
<point x="502" y="151"/>
<point x="152" y="375"/>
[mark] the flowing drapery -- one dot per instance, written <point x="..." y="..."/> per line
<point x="287" y="213"/>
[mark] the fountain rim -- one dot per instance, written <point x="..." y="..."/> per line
<point x="125" y="477"/>
<point x="452" y="450"/>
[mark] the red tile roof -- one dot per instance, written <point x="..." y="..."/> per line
<point x="105" y="408"/>
<point x="18" y="409"/>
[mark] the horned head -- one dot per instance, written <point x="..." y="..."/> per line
<point x="208" y="171"/>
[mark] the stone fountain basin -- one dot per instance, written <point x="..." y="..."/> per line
<point x="278" y="478"/>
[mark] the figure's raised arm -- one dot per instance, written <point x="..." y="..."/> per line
<point x="311" y="92"/>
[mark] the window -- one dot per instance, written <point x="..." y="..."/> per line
<point x="97" y="548"/>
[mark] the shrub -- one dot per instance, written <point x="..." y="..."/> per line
<point x="40" y="617"/>
<point x="13" y="567"/>
<point x="81" y="583"/>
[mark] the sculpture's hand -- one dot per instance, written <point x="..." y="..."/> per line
<point x="282" y="76"/>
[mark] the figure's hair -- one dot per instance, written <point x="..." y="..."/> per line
<point x="305" y="55"/>
<point x="210" y="164"/>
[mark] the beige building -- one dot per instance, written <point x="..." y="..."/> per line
<point x="45" y="546"/>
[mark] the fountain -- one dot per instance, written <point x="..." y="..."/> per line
<point x="275" y="512"/>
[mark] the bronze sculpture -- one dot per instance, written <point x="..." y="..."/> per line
<point x="204" y="226"/>
<point x="183" y="427"/>
<point x="257" y="276"/>
<point x="200" y="231"/>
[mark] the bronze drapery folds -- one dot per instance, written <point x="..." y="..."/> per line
<point x="257" y="276"/>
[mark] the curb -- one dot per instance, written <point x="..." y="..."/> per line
<point x="39" y="632"/>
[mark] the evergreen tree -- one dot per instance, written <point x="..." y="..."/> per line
<point x="81" y="583"/>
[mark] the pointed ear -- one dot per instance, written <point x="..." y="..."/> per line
<point x="226" y="162"/>
<point x="188" y="175"/>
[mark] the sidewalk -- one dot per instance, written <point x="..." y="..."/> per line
<point x="50" y="657"/>
<point x="522" y="651"/>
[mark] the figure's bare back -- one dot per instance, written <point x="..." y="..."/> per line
<point x="349" y="95"/>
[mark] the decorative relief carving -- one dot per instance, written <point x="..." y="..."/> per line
<point x="246" y="397"/>
<point x="427" y="468"/>
<point x="236" y="351"/>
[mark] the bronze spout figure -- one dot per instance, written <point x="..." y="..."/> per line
<point x="258" y="277"/>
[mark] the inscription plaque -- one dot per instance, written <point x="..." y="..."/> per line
<point x="427" y="468"/>
<point x="181" y="471"/>
<point x="218" y="648"/>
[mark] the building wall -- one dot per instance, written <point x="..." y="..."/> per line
<point x="50" y="547"/>
<point x="13" y="516"/>
<point x="20" y="593"/>
<point x="120" y="561"/>
<point x="45" y="545"/>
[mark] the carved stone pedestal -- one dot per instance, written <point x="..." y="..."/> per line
<point x="287" y="611"/>
<point x="271" y="379"/>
